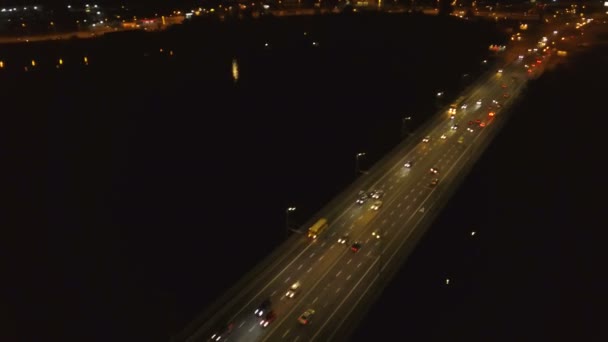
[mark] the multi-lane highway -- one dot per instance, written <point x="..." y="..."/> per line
<point x="335" y="279"/>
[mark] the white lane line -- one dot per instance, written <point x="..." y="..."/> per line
<point x="392" y="212"/>
<point x="369" y="253"/>
<point x="285" y="334"/>
<point x="359" y="265"/>
<point x="286" y="280"/>
<point x="406" y="208"/>
<point x="338" y="290"/>
<point x="273" y="293"/>
<point x="321" y="258"/>
<point x="420" y="193"/>
<point x="242" y="323"/>
<point x="349" y="260"/>
<point x="352" y="215"/>
<point x="315" y="300"/>
<point x="337" y="274"/>
<point x="296" y="339"/>
<point x="347" y="278"/>
<point x="401" y="214"/>
<point x="391" y="187"/>
<point x="324" y="243"/>
<point x="310" y="269"/>
<point x="399" y="205"/>
<point x="253" y="327"/>
<point x="366" y="241"/>
<point x="299" y="267"/>
<point x="313" y="254"/>
<point x="384" y="221"/>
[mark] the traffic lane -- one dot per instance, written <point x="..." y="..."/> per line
<point x="251" y="295"/>
<point x="311" y="248"/>
<point x="364" y="217"/>
<point x="281" y="327"/>
<point x="248" y="329"/>
<point x="368" y="263"/>
<point x="439" y="161"/>
<point x="327" y="286"/>
<point x="456" y="156"/>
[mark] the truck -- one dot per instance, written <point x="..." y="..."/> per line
<point x="316" y="229"/>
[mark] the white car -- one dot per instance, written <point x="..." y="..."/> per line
<point x="469" y="129"/>
<point x="478" y="102"/>
<point x="464" y="106"/>
<point x="443" y="136"/>
<point x="452" y="117"/>
<point x="426" y="139"/>
<point x="376" y="205"/>
<point x="408" y="164"/>
<point x="292" y="290"/>
<point x="453" y="128"/>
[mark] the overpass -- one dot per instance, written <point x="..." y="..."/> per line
<point x="337" y="282"/>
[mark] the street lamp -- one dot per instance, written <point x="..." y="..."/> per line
<point x="404" y="121"/>
<point x="357" y="162"/>
<point x="287" y="211"/>
<point x="376" y="234"/>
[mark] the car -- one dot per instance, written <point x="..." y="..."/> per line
<point x="452" y="117"/>
<point x="306" y="316"/>
<point x="434" y="182"/>
<point x="408" y="164"/>
<point x="362" y="199"/>
<point x="503" y="86"/>
<point x="376" y="234"/>
<point x="426" y="139"/>
<point x="443" y="136"/>
<point x="491" y="113"/>
<point x="478" y="102"/>
<point x="376" y="194"/>
<point x="434" y="170"/>
<point x="262" y="308"/>
<point x="292" y="290"/>
<point x="461" y="140"/>
<point x="483" y="124"/>
<point x="376" y="205"/>
<point x="270" y="317"/>
<point x="499" y="71"/>
<point x="505" y="95"/>
<point x="470" y="129"/>
<point x="454" y="127"/>
<point x="355" y="247"/>
<point x="343" y="240"/>
<point x="222" y="332"/>
<point x="464" y="106"/>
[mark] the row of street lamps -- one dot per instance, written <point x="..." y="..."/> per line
<point x="357" y="172"/>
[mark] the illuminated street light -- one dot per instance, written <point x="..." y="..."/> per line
<point x="357" y="162"/>
<point x="287" y="211"/>
<point x="404" y="130"/>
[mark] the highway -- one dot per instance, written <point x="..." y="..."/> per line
<point x="335" y="279"/>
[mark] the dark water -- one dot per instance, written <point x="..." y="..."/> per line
<point x="148" y="182"/>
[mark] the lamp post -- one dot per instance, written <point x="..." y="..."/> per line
<point x="357" y="162"/>
<point x="404" y="130"/>
<point x="287" y="211"/>
<point x="376" y="234"/>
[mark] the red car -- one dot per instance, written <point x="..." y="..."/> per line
<point x="270" y="317"/>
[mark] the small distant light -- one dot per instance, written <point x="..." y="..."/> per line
<point x="473" y="233"/>
<point x="447" y="281"/>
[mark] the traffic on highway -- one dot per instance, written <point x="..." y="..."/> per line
<point x="313" y="289"/>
